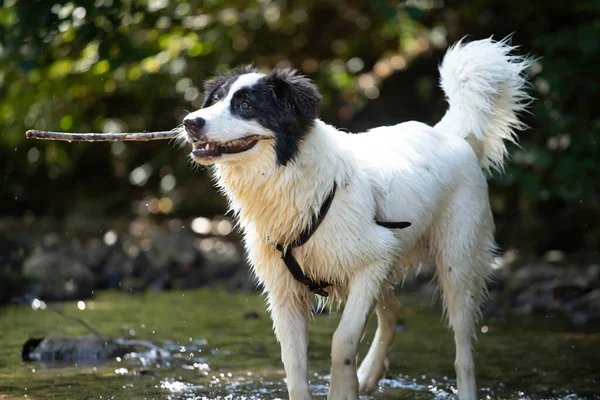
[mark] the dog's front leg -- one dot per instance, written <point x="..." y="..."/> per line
<point x="290" y="312"/>
<point x="362" y="296"/>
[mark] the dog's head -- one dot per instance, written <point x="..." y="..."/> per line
<point x="246" y="112"/>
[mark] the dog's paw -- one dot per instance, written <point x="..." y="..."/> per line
<point x="299" y="393"/>
<point x="342" y="394"/>
<point x="369" y="375"/>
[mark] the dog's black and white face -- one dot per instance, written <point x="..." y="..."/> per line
<point x="245" y="112"/>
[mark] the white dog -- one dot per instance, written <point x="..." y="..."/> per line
<point x="287" y="173"/>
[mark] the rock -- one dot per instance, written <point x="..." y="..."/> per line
<point x="588" y="305"/>
<point x="593" y="274"/>
<point x="555" y="256"/>
<point x="580" y="318"/>
<point x="12" y="252"/>
<point x="525" y="276"/>
<point x="177" y="248"/>
<point x="144" y="372"/>
<point x="59" y="275"/>
<point x="174" y="262"/>
<point x="115" y="269"/>
<point x="251" y="315"/>
<point x="92" y="253"/>
<point x="69" y="349"/>
<point x="13" y="283"/>
<point x="259" y="348"/>
<point x="242" y="279"/>
<point x="494" y="307"/>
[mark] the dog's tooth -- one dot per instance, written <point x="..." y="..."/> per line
<point x="207" y="146"/>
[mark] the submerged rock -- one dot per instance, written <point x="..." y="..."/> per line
<point x="88" y="349"/>
<point x="69" y="349"/>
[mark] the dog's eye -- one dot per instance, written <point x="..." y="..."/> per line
<point x="245" y="105"/>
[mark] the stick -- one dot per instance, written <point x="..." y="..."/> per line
<point x="101" y="137"/>
<point x="122" y="342"/>
<point x="77" y="319"/>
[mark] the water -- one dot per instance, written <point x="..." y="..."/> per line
<point x="222" y="355"/>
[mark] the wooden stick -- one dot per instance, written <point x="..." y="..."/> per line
<point x="76" y="319"/>
<point x="122" y="342"/>
<point x="101" y="137"/>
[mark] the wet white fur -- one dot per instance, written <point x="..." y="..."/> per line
<point x="431" y="177"/>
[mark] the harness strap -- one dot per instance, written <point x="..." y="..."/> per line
<point x="394" y="225"/>
<point x="291" y="262"/>
<point x="289" y="259"/>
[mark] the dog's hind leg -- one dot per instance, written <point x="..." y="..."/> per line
<point x="375" y="363"/>
<point x="462" y="244"/>
<point x="363" y="294"/>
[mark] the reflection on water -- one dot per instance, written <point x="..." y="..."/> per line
<point x="219" y="354"/>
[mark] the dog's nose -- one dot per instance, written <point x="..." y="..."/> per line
<point x="194" y="127"/>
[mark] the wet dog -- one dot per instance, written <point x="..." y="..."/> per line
<point x="279" y="165"/>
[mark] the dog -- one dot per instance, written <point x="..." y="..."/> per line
<point x="317" y="205"/>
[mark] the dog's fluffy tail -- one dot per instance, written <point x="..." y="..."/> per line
<point x="485" y="87"/>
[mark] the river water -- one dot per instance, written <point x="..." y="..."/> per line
<point x="225" y="349"/>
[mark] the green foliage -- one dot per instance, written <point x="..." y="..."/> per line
<point x="104" y="65"/>
<point x="131" y="65"/>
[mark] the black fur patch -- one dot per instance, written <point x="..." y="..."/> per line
<point x="218" y="87"/>
<point x="284" y="102"/>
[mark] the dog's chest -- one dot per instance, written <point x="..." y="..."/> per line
<point x="345" y="242"/>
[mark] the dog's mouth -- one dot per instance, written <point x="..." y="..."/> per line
<point x="214" y="149"/>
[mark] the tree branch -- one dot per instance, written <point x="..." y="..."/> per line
<point x="102" y="137"/>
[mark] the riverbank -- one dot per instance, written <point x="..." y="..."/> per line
<point x="73" y="259"/>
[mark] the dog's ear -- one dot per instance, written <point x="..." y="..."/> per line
<point x="211" y="88"/>
<point x="296" y="92"/>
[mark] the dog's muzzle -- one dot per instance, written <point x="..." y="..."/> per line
<point x="204" y="148"/>
<point x="194" y="128"/>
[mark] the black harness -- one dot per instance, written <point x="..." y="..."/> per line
<point x="291" y="262"/>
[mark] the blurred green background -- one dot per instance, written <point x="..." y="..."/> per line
<point x="110" y="65"/>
